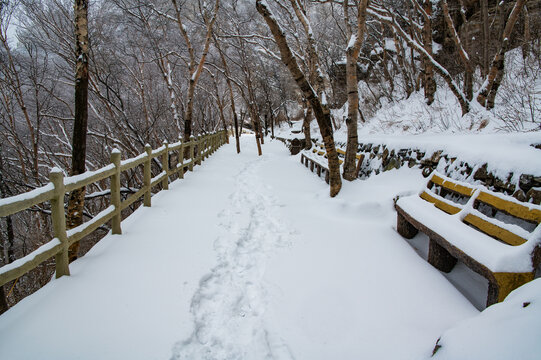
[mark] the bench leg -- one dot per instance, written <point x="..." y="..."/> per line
<point x="404" y="228"/>
<point x="440" y="258"/>
<point x="504" y="283"/>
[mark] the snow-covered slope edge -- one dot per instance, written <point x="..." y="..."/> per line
<point x="508" y="330"/>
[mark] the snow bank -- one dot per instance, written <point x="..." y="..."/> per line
<point x="508" y="330"/>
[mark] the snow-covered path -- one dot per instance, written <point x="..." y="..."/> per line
<point x="247" y="258"/>
<point x="229" y="305"/>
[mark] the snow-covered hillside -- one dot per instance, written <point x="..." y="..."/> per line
<point x="517" y="109"/>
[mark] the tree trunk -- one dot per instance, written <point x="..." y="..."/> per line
<point x="306" y="128"/>
<point x="195" y="67"/>
<point x="272" y="122"/>
<point x="463" y="54"/>
<point x="400" y="54"/>
<point x="351" y="120"/>
<point x="236" y="123"/>
<point x="231" y="95"/>
<point x="527" y="34"/>
<point x="464" y="103"/>
<point x="220" y="105"/>
<point x="414" y="75"/>
<point x="495" y="86"/>
<point x="485" y="33"/>
<point x="353" y="50"/>
<point x="429" y="82"/>
<point x="468" y="85"/>
<point x="10" y="251"/>
<point x="321" y="113"/>
<point x="78" y="156"/>
<point x="260" y="130"/>
<point x="488" y="91"/>
<point x="9" y="257"/>
<point x="255" y="126"/>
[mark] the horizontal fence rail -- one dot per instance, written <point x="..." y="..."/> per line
<point x="198" y="149"/>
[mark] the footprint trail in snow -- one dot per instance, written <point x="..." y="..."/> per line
<point x="229" y="305"/>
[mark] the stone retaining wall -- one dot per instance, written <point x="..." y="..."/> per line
<point x="378" y="158"/>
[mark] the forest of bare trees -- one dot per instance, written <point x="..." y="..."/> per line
<point x="171" y="69"/>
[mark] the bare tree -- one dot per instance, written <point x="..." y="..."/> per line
<point x="227" y="75"/>
<point x="390" y="17"/>
<point x="319" y="107"/>
<point x="487" y="93"/>
<point x="195" y="66"/>
<point x="463" y="54"/>
<point x="78" y="155"/>
<point x="353" y="49"/>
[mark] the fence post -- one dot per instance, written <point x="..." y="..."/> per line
<point x="181" y="159"/>
<point x="192" y="152"/>
<point x="58" y="217"/>
<point x="115" y="193"/>
<point x="147" y="176"/>
<point x="198" y="150"/>
<point x="165" y="165"/>
<point x="203" y="147"/>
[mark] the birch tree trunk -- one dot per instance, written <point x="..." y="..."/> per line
<point x="306" y="127"/>
<point x="78" y="157"/>
<point x="321" y="112"/>
<point x="352" y="54"/>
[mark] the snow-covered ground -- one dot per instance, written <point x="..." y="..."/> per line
<point x="249" y="258"/>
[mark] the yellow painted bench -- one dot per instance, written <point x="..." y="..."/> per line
<point x="494" y="234"/>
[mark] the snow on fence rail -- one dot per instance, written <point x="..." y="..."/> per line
<point x="199" y="149"/>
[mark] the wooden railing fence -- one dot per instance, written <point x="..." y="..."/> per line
<point x="200" y="148"/>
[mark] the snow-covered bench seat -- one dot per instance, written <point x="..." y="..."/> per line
<point x="495" y="235"/>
